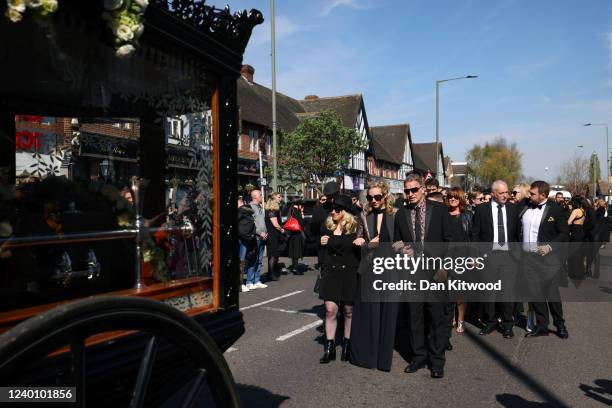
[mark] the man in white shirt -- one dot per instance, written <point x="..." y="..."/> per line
<point x="544" y="233"/>
<point x="496" y="223"/>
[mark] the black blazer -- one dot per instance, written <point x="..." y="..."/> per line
<point x="438" y="227"/>
<point x="553" y="230"/>
<point x="482" y="224"/>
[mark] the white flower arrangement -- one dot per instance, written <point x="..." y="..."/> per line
<point x="124" y="18"/>
<point x="16" y="8"/>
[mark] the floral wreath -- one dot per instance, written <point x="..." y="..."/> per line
<point x="123" y="17"/>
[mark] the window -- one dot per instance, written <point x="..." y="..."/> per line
<point x="253" y="141"/>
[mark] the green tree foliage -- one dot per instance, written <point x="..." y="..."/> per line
<point x="594" y="168"/>
<point x="318" y="148"/>
<point x="497" y="160"/>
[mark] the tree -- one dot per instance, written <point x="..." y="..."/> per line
<point x="497" y="160"/>
<point x="318" y="148"/>
<point x="574" y="174"/>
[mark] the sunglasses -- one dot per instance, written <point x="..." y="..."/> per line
<point x="514" y="193"/>
<point x="412" y="190"/>
<point x="337" y="209"/>
<point x="453" y="198"/>
<point x="376" y="197"/>
<point x="322" y="200"/>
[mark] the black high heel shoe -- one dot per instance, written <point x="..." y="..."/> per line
<point x="346" y="350"/>
<point x="329" y="353"/>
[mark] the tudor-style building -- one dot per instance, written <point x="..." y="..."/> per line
<point x="425" y="157"/>
<point x="391" y="155"/>
<point x="352" y="114"/>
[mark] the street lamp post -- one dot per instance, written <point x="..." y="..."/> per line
<point x="607" y="155"/>
<point x="438" y="82"/>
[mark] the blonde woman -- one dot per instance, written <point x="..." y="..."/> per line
<point x="339" y="273"/>
<point x="520" y="195"/>
<point x="275" y="234"/>
<point x="373" y="326"/>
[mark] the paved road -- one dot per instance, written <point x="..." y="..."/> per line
<point x="276" y="362"/>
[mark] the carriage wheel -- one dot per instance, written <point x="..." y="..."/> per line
<point x="70" y="325"/>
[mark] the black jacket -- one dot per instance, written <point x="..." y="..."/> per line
<point x="438" y="228"/>
<point x="553" y="230"/>
<point x="482" y="224"/>
<point x="246" y="223"/>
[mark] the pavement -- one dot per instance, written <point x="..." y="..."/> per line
<point x="276" y="362"/>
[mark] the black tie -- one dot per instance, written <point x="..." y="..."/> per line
<point x="501" y="234"/>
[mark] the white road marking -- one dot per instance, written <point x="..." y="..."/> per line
<point x="229" y="350"/>
<point x="271" y="300"/>
<point x="300" y="330"/>
<point x="275" y="309"/>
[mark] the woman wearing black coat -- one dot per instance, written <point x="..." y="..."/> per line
<point x="374" y="323"/>
<point x="456" y="201"/>
<point x="339" y="273"/>
<point x="296" y="239"/>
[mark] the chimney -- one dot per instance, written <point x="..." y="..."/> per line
<point x="310" y="97"/>
<point x="247" y="72"/>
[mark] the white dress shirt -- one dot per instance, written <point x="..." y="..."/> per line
<point x="496" y="246"/>
<point x="531" y="227"/>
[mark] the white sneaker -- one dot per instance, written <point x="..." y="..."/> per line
<point x="245" y="288"/>
<point x="250" y="286"/>
<point x="260" y="285"/>
<point x="531" y="321"/>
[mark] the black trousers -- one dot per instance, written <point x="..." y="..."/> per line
<point x="429" y="332"/>
<point x="500" y="265"/>
<point x="543" y="283"/>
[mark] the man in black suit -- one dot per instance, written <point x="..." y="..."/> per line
<point x="497" y="222"/>
<point x="420" y="228"/>
<point x="544" y="232"/>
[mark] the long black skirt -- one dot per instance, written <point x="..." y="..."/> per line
<point x="373" y="334"/>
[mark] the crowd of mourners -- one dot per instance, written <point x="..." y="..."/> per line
<point x="348" y="227"/>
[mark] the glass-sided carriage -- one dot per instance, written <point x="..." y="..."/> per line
<point x="117" y="179"/>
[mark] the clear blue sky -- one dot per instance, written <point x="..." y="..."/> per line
<point x="545" y="68"/>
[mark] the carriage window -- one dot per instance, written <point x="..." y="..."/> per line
<point x="66" y="225"/>
<point x="189" y="195"/>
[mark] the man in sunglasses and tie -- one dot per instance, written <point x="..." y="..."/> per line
<point x="422" y="227"/>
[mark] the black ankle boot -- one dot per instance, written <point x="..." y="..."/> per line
<point x="346" y="350"/>
<point x="329" y="353"/>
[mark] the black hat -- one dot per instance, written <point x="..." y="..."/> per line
<point x="331" y="188"/>
<point x="347" y="204"/>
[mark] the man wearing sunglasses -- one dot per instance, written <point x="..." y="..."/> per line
<point x="421" y="228"/>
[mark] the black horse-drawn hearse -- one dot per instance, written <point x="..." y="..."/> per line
<point x="118" y="272"/>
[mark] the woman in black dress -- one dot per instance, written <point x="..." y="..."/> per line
<point x="456" y="201"/>
<point x="296" y="238"/>
<point x="339" y="273"/>
<point x="374" y="323"/>
<point x="577" y="235"/>
<point x="275" y="234"/>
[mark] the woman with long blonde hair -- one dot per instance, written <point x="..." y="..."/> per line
<point x="373" y="327"/>
<point x="339" y="273"/>
<point x="275" y="234"/>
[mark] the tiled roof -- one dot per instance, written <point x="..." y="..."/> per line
<point x="255" y="103"/>
<point x="423" y="156"/>
<point x="347" y="107"/>
<point x="389" y="142"/>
